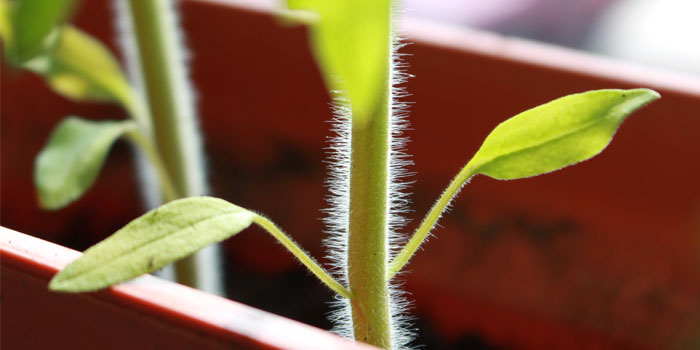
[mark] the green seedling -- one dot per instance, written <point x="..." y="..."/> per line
<point x="355" y="47"/>
<point x="37" y="37"/>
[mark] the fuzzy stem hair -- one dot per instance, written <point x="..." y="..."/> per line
<point x="367" y="167"/>
<point x="367" y="230"/>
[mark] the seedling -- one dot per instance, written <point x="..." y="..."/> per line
<point x="79" y="67"/>
<point x="356" y="50"/>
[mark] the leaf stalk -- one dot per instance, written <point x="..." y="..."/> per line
<point x="431" y="219"/>
<point x="304" y="258"/>
<point x="149" y="149"/>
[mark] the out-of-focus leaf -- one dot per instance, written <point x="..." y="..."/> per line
<point x="32" y="23"/>
<point x="6" y="23"/>
<point x="351" y="42"/>
<point x="81" y="68"/>
<point x="70" y="162"/>
<point x="157" y="238"/>
<point x="557" y="134"/>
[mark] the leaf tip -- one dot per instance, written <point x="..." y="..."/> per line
<point x="644" y="95"/>
<point x="65" y="282"/>
<point x="650" y="92"/>
<point x="46" y="196"/>
<point x="58" y="283"/>
<point x="633" y="100"/>
<point x="639" y="97"/>
<point x="46" y="202"/>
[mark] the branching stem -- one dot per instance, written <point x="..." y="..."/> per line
<point x="149" y="149"/>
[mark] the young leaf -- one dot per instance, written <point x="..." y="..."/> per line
<point x="81" y="68"/>
<point x="70" y="162"/>
<point x="560" y="133"/>
<point x="557" y="134"/>
<point x="351" y="42"/>
<point x="32" y="21"/>
<point x="157" y="238"/>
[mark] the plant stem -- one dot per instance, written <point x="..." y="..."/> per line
<point x="149" y="149"/>
<point x="430" y="220"/>
<point x="367" y="241"/>
<point x="305" y="259"/>
<point x="156" y="38"/>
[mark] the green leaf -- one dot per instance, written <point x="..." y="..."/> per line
<point x="351" y="41"/>
<point x="159" y="237"/>
<point x="6" y="10"/>
<point x="557" y="134"/>
<point x="81" y="68"/>
<point x="560" y="133"/>
<point x="32" y="22"/>
<point x="71" y="160"/>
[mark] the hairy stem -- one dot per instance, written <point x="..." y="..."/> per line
<point x="403" y="257"/>
<point x="155" y="34"/>
<point x="367" y="241"/>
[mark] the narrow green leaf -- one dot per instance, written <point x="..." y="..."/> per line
<point x="32" y="22"/>
<point x="71" y="160"/>
<point x="557" y="134"/>
<point x="159" y="237"/>
<point x="81" y="68"/>
<point x="351" y="41"/>
<point x="560" y="133"/>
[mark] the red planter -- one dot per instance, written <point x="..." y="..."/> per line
<point x="147" y="313"/>
<point x="601" y="255"/>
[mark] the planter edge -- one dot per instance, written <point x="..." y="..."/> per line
<point x="169" y="302"/>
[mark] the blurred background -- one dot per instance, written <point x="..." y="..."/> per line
<point x="662" y="33"/>
<point x="604" y="255"/>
